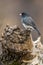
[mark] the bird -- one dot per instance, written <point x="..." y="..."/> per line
<point x="28" y="22"/>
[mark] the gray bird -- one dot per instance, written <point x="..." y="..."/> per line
<point x="28" y="22"/>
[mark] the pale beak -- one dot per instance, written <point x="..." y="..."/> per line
<point x="20" y="14"/>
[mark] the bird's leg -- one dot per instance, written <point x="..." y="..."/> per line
<point x="38" y="39"/>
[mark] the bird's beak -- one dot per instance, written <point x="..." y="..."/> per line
<point x="20" y="14"/>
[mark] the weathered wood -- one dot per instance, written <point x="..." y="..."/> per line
<point x="18" y="46"/>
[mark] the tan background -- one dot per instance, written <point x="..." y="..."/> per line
<point x="10" y="9"/>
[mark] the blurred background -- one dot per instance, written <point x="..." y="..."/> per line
<point x="10" y="9"/>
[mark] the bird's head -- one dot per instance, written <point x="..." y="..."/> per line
<point x="23" y="14"/>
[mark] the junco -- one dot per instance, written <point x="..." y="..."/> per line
<point x="28" y="22"/>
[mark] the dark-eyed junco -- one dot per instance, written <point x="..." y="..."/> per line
<point x="28" y="22"/>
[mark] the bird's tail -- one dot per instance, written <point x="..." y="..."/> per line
<point x="37" y="31"/>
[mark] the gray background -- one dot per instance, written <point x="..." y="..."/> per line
<point x="10" y="9"/>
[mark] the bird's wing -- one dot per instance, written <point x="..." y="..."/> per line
<point x="29" y="21"/>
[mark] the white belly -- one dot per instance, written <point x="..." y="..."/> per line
<point x="28" y="27"/>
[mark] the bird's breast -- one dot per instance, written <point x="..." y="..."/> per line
<point x="28" y="27"/>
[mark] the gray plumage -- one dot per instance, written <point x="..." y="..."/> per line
<point x="28" y="21"/>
